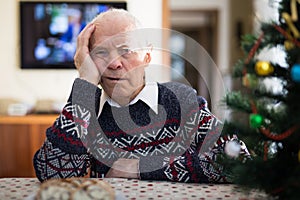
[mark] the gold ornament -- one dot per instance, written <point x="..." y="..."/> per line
<point x="290" y="19"/>
<point x="263" y="68"/>
<point x="294" y="12"/>
<point x="290" y="24"/>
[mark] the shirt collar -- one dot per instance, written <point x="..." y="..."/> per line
<point x="148" y="95"/>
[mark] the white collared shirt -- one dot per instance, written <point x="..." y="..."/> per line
<point x="148" y="95"/>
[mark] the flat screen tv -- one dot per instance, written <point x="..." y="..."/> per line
<point x="48" y="30"/>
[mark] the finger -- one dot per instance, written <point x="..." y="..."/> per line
<point x="82" y="51"/>
<point x="85" y="35"/>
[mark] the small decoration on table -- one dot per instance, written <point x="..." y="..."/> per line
<point x="75" y="189"/>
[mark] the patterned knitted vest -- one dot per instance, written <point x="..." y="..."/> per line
<point x="136" y="131"/>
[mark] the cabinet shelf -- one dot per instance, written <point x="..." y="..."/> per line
<point x="21" y="137"/>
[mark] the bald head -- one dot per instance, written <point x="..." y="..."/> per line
<point x="112" y="22"/>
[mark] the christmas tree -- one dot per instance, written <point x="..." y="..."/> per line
<point x="270" y="100"/>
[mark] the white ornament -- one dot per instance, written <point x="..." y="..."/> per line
<point x="232" y="149"/>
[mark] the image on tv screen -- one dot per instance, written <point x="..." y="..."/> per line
<point x="48" y="31"/>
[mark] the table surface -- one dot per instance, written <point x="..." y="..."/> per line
<point x="22" y="188"/>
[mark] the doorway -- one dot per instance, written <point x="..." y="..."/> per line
<point x="201" y="27"/>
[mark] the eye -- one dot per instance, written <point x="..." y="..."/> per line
<point x="102" y="53"/>
<point x="124" y="51"/>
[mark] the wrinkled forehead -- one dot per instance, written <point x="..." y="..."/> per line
<point x="132" y="39"/>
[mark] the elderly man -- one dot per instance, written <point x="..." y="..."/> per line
<point x="117" y="125"/>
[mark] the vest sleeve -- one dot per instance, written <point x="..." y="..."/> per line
<point x="64" y="154"/>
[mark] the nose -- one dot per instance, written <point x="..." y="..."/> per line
<point x="115" y="61"/>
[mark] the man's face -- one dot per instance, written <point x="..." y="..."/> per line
<point x="121" y="64"/>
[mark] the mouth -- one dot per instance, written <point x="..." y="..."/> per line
<point x="115" y="79"/>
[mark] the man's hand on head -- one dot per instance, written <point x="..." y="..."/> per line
<point x="82" y="59"/>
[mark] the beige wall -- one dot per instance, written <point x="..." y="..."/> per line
<point x="31" y="85"/>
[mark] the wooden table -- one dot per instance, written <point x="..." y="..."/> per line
<point x="25" y="188"/>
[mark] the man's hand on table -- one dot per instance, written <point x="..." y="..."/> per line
<point x="124" y="168"/>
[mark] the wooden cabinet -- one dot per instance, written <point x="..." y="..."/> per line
<point x="20" y="138"/>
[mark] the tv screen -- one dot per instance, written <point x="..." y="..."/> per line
<point x="48" y="31"/>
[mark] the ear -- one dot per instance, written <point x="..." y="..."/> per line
<point x="147" y="58"/>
